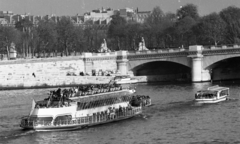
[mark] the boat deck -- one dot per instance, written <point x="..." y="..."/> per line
<point x="79" y="122"/>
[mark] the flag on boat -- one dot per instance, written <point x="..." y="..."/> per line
<point x="33" y="106"/>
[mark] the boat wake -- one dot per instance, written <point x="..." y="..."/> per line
<point x="232" y="99"/>
<point x="16" y="134"/>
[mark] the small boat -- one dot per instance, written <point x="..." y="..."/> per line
<point x="59" y="113"/>
<point x="213" y="94"/>
<point x="124" y="79"/>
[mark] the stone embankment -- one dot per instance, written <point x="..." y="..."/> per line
<point x="61" y="81"/>
<point x="48" y="72"/>
<point x="56" y="81"/>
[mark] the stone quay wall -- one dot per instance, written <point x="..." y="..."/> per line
<point x="50" y="72"/>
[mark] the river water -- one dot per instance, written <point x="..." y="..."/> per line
<point x="173" y="118"/>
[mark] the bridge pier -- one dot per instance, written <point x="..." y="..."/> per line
<point x="196" y="69"/>
<point x="122" y="62"/>
<point x="198" y="73"/>
<point x="88" y="64"/>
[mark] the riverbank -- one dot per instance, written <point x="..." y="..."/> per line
<point x="65" y="81"/>
<point x="58" y="81"/>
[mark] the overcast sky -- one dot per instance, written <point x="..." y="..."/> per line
<point x="73" y="7"/>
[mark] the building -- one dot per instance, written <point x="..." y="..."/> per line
<point x="6" y="17"/>
<point x="95" y="17"/>
<point x="133" y="15"/>
<point x="140" y="16"/>
<point x="100" y="16"/>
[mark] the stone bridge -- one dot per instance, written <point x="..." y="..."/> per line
<point x="200" y="62"/>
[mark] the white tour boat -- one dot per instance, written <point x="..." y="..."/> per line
<point x="58" y="112"/>
<point x="124" y="79"/>
<point x="213" y="94"/>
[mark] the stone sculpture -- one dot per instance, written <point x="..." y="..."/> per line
<point x="104" y="47"/>
<point x="142" y="46"/>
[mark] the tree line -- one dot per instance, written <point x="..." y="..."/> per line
<point x="160" y="30"/>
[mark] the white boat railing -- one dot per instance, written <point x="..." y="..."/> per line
<point x="97" y="118"/>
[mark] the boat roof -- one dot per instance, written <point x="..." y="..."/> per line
<point x="213" y="89"/>
<point x="207" y="92"/>
<point x="217" y="88"/>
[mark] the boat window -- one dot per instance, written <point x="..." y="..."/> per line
<point x="40" y="118"/>
<point x="84" y="104"/>
<point x="97" y="102"/>
<point x="224" y="92"/>
<point x="94" y="103"/>
<point x="81" y="105"/>
<point x="205" y="94"/>
<point x="102" y="102"/>
<point x="91" y="104"/>
<point x="63" y="118"/>
<point x="112" y="100"/>
<point x="107" y="101"/>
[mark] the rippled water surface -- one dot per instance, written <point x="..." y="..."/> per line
<point x="173" y="118"/>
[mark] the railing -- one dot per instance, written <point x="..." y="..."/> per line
<point x="41" y="55"/>
<point x="97" y="118"/>
<point x="157" y="51"/>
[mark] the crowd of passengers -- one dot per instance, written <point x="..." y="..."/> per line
<point x="58" y="98"/>
<point x="201" y="96"/>
<point x="94" y="89"/>
<point x="140" y="100"/>
<point x="84" y="90"/>
<point x="55" y="99"/>
<point x="112" y="112"/>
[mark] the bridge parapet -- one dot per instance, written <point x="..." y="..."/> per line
<point x="100" y="56"/>
<point x="156" y="51"/>
<point x="157" y="54"/>
<point x="221" y="50"/>
<point x="221" y="47"/>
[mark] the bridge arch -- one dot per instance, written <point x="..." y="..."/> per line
<point x="185" y="61"/>
<point x="162" y="70"/>
<point x="224" y="67"/>
<point x="209" y="61"/>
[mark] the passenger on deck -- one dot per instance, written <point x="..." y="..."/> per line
<point x="37" y="106"/>
<point x="129" y="107"/>
<point x="108" y="113"/>
<point x="112" y="113"/>
<point x="120" y="109"/>
<point x="58" y="92"/>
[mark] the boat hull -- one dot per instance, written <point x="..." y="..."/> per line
<point x="77" y="127"/>
<point x="126" y="81"/>
<point x="79" y="124"/>
<point x="213" y="100"/>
